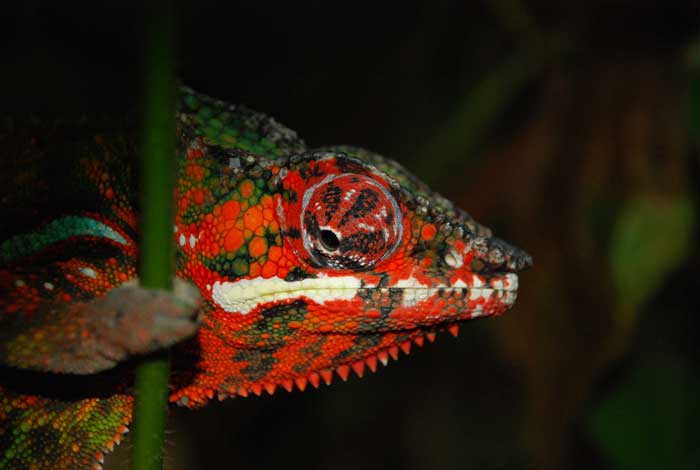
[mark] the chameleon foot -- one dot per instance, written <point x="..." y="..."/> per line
<point x="131" y="320"/>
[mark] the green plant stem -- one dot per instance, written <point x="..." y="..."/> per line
<point x="155" y="264"/>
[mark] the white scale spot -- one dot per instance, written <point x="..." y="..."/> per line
<point x="454" y="259"/>
<point x="193" y="241"/>
<point x="182" y="240"/>
<point x="89" y="272"/>
<point x="48" y="286"/>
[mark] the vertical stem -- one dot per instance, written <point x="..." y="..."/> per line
<point x="156" y="220"/>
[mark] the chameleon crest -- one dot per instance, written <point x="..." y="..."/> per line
<point x="309" y="263"/>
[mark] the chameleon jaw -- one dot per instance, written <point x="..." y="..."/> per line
<point x="350" y="324"/>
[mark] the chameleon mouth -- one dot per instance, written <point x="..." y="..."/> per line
<point x="410" y="313"/>
<point x="479" y="294"/>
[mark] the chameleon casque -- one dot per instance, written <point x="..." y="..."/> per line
<point x="309" y="263"/>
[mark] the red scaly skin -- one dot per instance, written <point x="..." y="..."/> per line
<point x="309" y="264"/>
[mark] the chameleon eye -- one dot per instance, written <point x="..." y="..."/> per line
<point x="350" y="221"/>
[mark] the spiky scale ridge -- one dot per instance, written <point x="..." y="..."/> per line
<point x="309" y="262"/>
<point x="359" y="368"/>
<point x="314" y="379"/>
<point x="394" y="352"/>
<point x="301" y="383"/>
<point x="371" y="362"/>
<point x="327" y="376"/>
<point x="343" y="372"/>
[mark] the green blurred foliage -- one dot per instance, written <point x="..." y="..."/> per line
<point x="650" y="239"/>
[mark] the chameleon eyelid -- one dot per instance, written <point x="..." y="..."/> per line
<point x="367" y="180"/>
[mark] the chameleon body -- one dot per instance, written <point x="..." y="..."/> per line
<point x="309" y="263"/>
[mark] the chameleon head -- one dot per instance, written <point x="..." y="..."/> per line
<point x="344" y="259"/>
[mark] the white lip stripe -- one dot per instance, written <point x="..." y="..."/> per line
<point x="244" y="295"/>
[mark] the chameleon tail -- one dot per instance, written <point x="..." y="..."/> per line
<point x="58" y="425"/>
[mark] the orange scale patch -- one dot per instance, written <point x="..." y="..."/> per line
<point x="247" y="188"/>
<point x="269" y="269"/>
<point x="213" y="249"/>
<point x="198" y="173"/>
<point x="254" y="270"/>
<point x="257" y="247"/>
<point x="253" y="218"/>
<point x="198" y="196"/>
<point x="274" y="253"/>
<point x="233" y="241"/>
<point x="230" y="210"/>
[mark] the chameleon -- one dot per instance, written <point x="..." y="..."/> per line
<point x="294" y="265"/>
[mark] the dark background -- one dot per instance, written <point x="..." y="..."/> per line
<point x="571" y="128"/>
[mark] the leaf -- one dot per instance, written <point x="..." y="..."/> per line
<point x="649" y="241"/>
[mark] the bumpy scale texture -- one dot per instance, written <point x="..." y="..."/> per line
<point x="310" y="263"/>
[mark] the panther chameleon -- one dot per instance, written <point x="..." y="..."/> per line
<point x="293" y="264"/>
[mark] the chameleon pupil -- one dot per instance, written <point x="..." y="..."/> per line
<point x="329" y="240"/>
